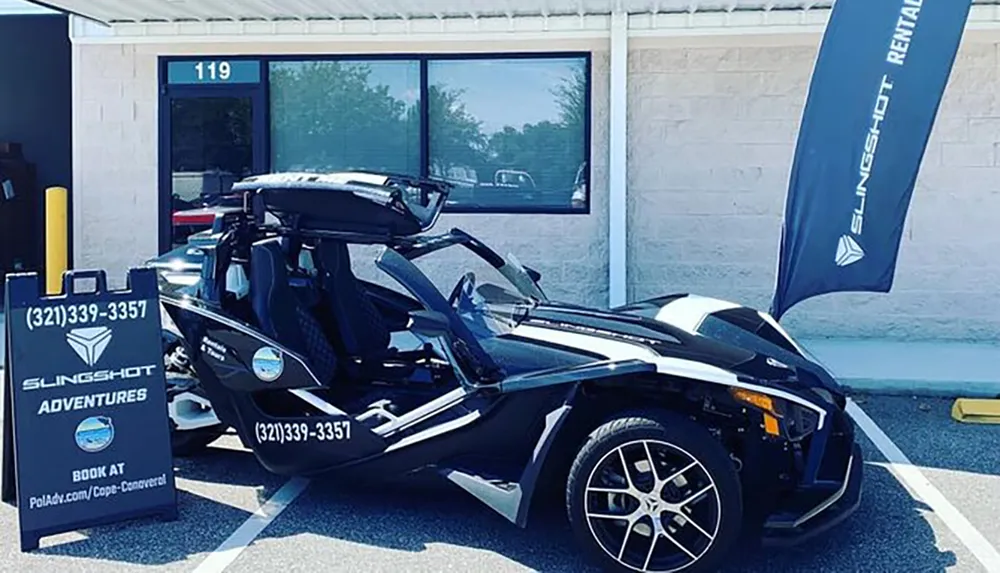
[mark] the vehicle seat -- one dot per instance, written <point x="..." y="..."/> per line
<point x="359" y="323"/>
<point x="363" y="334"/>
<point x="281" y="313"/>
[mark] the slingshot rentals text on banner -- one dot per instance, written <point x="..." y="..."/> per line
<point x="876" y="87"/>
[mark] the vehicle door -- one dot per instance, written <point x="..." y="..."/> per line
<point x="473" y="364"/>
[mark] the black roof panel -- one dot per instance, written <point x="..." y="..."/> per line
<point x="354" y="202"/>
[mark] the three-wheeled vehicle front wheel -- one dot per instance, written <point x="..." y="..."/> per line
<point x="654" y="491"/>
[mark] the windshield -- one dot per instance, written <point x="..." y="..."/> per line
<point x="489" y="310"/>
<point x="491" y="301"/>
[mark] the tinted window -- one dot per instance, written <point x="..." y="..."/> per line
<point x="211" y="147"/>
<point x="337" y="115"/>
<point x="509" y="133"/>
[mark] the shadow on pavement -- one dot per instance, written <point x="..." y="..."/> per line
<point x="887" y="533"/>
<point x="204" y="522"/>
<point x="924" y="430"/>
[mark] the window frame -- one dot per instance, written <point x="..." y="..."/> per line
<point x="261" y="118"/>
<point x="262" y="122"/>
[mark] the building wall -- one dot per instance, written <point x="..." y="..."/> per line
<point x="712" y="134"/>
<point x="712" y="126"/>
<point x="116" y="177"/>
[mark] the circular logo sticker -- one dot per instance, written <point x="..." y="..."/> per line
<point x="268" y="364"/>
<point x="95" y="434"/>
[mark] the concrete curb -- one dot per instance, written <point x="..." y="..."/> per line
<point x="924" y="368"/>
<point x="923" y="388"/>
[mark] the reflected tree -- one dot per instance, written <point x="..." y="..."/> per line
<point x="571" y="95"/>
<point x="456" y="134"/>
<point x="211" y="132"/>
<point x="330" y="115"/>
<point x="550" y="151"/>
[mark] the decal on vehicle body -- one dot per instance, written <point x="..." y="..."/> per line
<point x="292" y="432"/>
<point x="268" y="364"/>
<point x="688" y="313"/>
<point x="215" y="349"/>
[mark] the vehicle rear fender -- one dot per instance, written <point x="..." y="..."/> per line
<point x="264" y="390"/>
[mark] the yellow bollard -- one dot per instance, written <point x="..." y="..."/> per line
<point x="56" y="238"/>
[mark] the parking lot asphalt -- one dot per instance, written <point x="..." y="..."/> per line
<point x="423" y="527"/>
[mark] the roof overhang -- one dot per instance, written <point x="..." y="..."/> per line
<point x="225" y="21"/>
<point x="23" y="7"/>
<point x="173" y="11"/>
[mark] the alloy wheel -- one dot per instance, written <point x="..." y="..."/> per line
<point x="652" y="506"/>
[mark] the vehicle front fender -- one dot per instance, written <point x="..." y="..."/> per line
<point x="554" y="422"/>
<point x="513" y="500"/>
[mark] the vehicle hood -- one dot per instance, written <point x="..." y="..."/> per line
<point x="628" y="332"/>
<point x="737" y="325"/>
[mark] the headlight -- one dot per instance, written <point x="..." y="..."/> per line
<point x="780" y="418"/>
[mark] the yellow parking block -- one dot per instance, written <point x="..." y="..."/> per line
<point x="976" y="411"/>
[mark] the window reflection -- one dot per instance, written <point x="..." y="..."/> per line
<point x="338" y="115"/>
<point x="211" y="147"/>
<point x="510" y="132"/>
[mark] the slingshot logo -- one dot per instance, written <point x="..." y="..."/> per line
<point x="89" y="343"/>
<point x="848" y="251"/>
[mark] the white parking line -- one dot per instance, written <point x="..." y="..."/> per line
<point x="225" y="554"/>
<point x="922" y="490"/>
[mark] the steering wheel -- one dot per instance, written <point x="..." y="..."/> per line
<point x="467" y="282"/>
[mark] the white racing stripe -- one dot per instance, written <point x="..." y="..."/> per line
<point x="671" y="366"/>
<point x="687" y="313"/>
<point x="622" y="350"/>
<point x="924" y="491"/>
<point x="225" y="554"/>
<point x="611" y="349"/>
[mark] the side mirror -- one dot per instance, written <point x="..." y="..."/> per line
<point x="429" y="323"/>
<point x="535" y="275"/>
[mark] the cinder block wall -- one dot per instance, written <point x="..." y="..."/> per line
<point x="712" y="127"/>
<point x="115" y="210"/>
<point x="711" y="137"/>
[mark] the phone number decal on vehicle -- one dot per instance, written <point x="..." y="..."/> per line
<point x="62" y="316"/>
<point x="290" y="432"/>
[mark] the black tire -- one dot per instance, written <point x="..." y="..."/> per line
<point x="670" y="439"/>
<point x="190" y="443"/>
<point x="185" y="443"/>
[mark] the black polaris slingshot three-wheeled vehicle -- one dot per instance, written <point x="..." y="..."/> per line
<point x="669" y="426"/>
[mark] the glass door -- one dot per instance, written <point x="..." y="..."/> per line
<point x="212" y="145"/>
